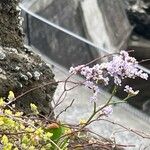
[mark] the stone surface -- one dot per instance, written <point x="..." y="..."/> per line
<point x="103" y="20"/>
<point x="65" y="13"/>
<point x="20" y="69"/>
<point x="10" y="24"/>
<point x="116" y="22"/>
<point x="64" y="48"/>
<point x="56" y="44"/>
<point x="36" y="5"/>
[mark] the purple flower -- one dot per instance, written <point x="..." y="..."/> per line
<point x="123" y="66"/>
<point x="94" y="97"/>
<point x="96" y="74"/>
<point x="107" y="110"/>
<point x="87" y="72"/>
<point x="120" y="67"/>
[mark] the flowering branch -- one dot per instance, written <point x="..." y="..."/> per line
<point x="121" y="67"/>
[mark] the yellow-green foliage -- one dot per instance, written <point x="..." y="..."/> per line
<point x="19" y="131"/>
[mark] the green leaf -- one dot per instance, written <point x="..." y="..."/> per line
<point x="4" y="140"/>
<point x="8" y="146"/>
<point x="34" y="108"/>
<point x="2" y="103"/>
<point x="25" y="140"/>
<point x="11" y="95"/>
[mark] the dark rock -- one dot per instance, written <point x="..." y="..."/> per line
<point x="139" y="16"/>
<point x="10" y="27"/>
<point x="20" y="81"/>
<point x="20" y="71"/>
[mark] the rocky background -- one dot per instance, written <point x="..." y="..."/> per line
<point x="20" y="69"/>
<point x="68" y="51"/>
<point x="10" y="24"/>
<point x="57" y="45"/>
<point x="138" y="12"/>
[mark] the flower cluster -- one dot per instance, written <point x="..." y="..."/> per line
<point x="120" y="67"/>
<point x="123" y="66"/>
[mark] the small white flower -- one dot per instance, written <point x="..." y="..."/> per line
<point x="130" y="91"/>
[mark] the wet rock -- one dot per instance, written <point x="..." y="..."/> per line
<point x="2" y="55"/>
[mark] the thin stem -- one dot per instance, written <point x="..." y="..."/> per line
<point x="108" y="102"/>
<point x="91" y="117"/>
<point x="55" y="144"/>
<point x="118" y="102"/>
<point x="129" y="96"/>
<point x="64" y="110"/>
<point x="95" y="111"/>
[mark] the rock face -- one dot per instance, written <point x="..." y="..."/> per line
<point x="103" y="20"/>
<point x="10" y="24"/>
<point x="20" y="69"/>
<point x="139" y="16"/>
